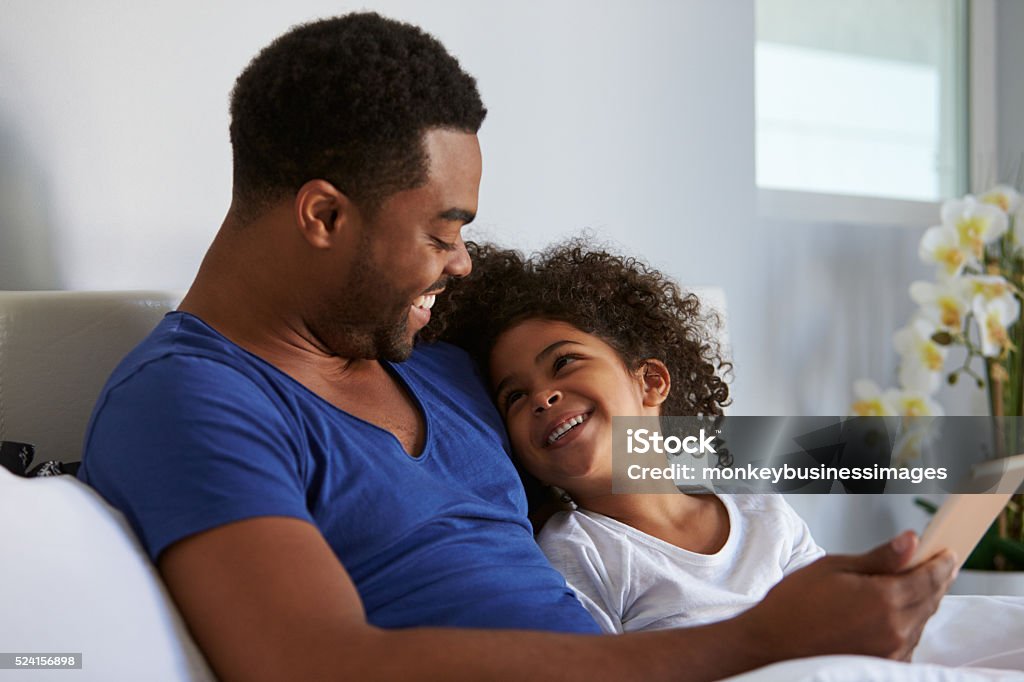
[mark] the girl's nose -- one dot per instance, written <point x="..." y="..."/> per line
<point x="545" y="399"/>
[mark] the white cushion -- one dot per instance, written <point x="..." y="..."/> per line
<point x="75" y="580"/>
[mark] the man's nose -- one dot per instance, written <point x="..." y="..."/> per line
<point x="459" y="263"/>
<point x="544" y="399"/>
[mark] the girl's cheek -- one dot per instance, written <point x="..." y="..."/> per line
<point x="518" y="438"/>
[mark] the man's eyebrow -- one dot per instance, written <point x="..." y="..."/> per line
<point x="458" y="214"/>
<point x="540" y="358"/>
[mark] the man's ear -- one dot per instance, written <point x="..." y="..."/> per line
<point x="657" y="382"/>
<point x="321" y="211"/>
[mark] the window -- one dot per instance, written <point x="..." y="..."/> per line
<point x="862" y="99"/>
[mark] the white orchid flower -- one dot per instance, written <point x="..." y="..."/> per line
<point x="1018" y="229"/>
<point x="1003" y="196"/>
<point x="944" y="302"/>
<point x="913" y="403"/>
<point x="922" y="359"/>
<point x="994" y="316"/>
<point x="989" y="287"/>
<point x="914" y="436"/>
<point x="869" y="401"/>
<point x="941" y="245"/>
<point x="976" y="224"/>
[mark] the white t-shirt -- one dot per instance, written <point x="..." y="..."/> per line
<point x="631" y="581"/>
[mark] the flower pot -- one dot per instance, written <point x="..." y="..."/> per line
<point x="989" y="582"/>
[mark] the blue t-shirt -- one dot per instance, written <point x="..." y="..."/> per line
<point x="193" y="432"/>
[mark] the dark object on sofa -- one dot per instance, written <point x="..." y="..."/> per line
<point x="16" y="458"/>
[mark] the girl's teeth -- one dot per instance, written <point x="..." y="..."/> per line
<point x="565" y="428"/>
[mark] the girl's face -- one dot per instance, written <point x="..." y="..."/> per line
<point x="558" y="389"/>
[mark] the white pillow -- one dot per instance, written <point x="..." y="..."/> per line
<point x="76" y="580"/>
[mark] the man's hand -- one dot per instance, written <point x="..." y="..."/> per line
<point x="856" y="604"/>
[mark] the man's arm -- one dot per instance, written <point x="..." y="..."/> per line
<point x="267" y="599"/>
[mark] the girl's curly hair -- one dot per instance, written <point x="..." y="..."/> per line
<point x="635" y="309"/>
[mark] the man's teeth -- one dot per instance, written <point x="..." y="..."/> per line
<point x="425" y="302"/>
<point x="566" y="427"/>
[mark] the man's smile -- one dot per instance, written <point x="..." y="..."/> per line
<point x="426" y="301"/>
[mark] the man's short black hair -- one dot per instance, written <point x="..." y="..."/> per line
<point x="346" y="100"/>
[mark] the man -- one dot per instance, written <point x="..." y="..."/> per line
<point x="324" y="501"/>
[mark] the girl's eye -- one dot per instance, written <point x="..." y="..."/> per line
<point x="512" y="397"/>
<point x="564" y="360"/>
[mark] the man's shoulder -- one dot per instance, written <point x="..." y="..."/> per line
<point x="183" y="371"/>
<point x="182" y="345"/>
<point x="448" y="368"/>
<point x="442" y="356"/>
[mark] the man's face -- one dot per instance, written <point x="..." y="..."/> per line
<point x="404" y="255"/>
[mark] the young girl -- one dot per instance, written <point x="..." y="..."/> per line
<point x="571" y="338"/>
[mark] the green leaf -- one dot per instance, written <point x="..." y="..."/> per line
<point x="983" y="558"/>
<point x="1012" y="550"/>
<point x="929" y="507"/>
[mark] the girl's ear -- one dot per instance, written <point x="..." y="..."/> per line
<point x="657" y="381"/>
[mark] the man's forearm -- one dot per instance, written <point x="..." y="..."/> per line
<point x="293" y="613"/>
<point x="708" y="652"/>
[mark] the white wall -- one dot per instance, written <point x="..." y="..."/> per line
<point x="1010" y="79"/>
<point x="632" y="118"/>
<point x="122" y="109"/>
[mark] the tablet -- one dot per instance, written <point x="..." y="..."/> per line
<point x="963" y="518"/>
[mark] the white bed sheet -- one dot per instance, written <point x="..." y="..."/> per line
<point x="969" y="639"/>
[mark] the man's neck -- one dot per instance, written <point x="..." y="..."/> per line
<point x="237" y="292"/>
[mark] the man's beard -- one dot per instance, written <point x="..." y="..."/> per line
<point x="356" y="325"/>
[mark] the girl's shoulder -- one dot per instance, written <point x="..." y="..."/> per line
<point x="756" y="502"/>
<point x="565" y="524"/>
<point x="583" y="529"/>
<point x="771" y="503"/>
